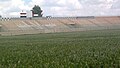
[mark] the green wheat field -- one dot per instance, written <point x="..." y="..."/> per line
<point x="87" y="49"/>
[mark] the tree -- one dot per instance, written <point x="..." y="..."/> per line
<point x="37" y="10"/>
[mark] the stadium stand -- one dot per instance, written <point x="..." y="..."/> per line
<point x="17" y="26"/>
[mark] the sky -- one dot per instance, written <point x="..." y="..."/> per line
<point x="62" y="8"/>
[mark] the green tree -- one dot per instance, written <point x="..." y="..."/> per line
<point x="37" y="10"/>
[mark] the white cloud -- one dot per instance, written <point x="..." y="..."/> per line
<point x="62" y="7"/>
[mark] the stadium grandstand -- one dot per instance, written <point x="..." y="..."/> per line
<point x="19" y="26"/>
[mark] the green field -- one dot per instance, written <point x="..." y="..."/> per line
<point x="91" y="49"/>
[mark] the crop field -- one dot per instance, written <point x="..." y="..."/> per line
<point x="87" y="49"/>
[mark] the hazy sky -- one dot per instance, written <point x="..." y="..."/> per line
<point x="11" y="8"/>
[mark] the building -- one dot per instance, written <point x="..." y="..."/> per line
<point x="23" y="14"/>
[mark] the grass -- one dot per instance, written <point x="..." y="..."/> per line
<point x="91" y="49"/>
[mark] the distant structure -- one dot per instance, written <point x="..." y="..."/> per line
<point x="23" y="14"/>
<point x="35" y="12"/>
